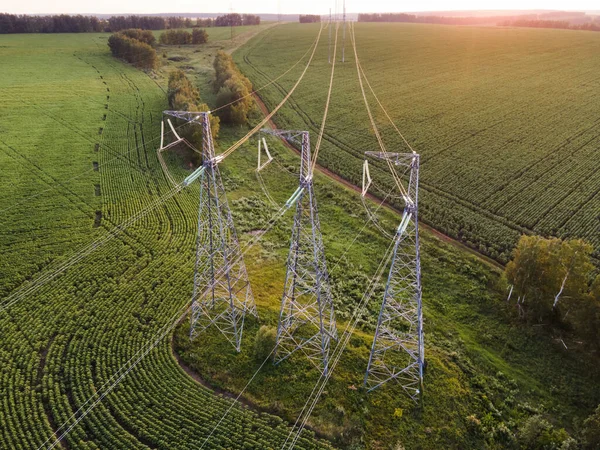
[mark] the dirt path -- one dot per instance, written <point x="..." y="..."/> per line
<point x="347" y="184"/>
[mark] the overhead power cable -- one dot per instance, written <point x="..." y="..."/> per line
<point x="320" y="137"/>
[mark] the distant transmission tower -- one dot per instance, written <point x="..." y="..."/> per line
<point x="279" y="11"/>
<point x="397" y="351"/>
<point x="329" y="35"/>
<point x="306" y="319"/>
<point x="344" y="36"/>
<point x="221" y="295"/>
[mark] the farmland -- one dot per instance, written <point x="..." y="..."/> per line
<point x="78" y="138"/>
<point x="505" y="150"/>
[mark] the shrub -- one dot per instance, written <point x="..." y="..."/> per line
<point x="538" y="434"/>
<point x="264" y="342"/>
<point x="590" y="432"/>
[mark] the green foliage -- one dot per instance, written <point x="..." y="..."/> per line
<point x="551" y="283"/>
<point x="175" y="37"/>
<point x="590" y="432"/>
<point x="199" y="36"/>
<point x="538" y="434"/>
<point x="136" y="52"/>
<point x="145" y="36"/>
<point x="183" y="96"/>
<point x="233" y="91"/>
<point x="183" y="37"/>
<point x="264" y="342"/>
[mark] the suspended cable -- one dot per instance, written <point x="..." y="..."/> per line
<point x="320" y="137"/>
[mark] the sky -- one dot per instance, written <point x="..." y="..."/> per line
<point x="282" y="6"/>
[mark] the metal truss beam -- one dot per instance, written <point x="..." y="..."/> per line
<point x="221" y="295"/>
<point x="397" y="352"/>
<point x="307" y="318"/>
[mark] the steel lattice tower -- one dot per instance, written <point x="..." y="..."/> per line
<point x="307" y="318"/>
<point x="222" y="295"/>
<point x="397" y="351"/>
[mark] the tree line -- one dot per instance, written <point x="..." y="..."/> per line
<point x="560" y="24"/>
<point x="309" y="18"/>
<point x="184" y="96"/>
<point x="182" y="37"/>
<point x="233" y="90"/>
<point x="134" y="46"/>
<point x="236" y="20"/>
<point x="11" y="23"/>
<point x="555" y="19"/>
<point x="63" y="23"/>
<point x="413" y="18"/>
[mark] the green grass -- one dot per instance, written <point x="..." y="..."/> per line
<point x="505" y="120"/>
<point x="60" y="344"/>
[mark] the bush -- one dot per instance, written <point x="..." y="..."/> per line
<point x="538" y="434"/>
<point x="590" y="432"/>
<point x="264" y="342"/>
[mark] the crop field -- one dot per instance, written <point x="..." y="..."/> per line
<point x="62" y="96"/>
<point x="505" y="151"/>
<point x="89" y="345"/>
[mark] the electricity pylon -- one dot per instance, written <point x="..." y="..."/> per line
<point x="222" y="295"/>
<point x="397" y="351"/>
<point x="307" y="318"/>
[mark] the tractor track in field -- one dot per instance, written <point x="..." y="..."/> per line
<point x="387" y="205"/>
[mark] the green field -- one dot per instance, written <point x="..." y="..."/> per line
<point x="66" y="104"/>
<point x="60" y="344"/>
<point x="507" y="120"/>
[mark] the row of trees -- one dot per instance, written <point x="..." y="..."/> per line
<point x="182" y="37"/>
<point x="135" y="47"/>
<point x="184" y="96"/>
<point x="118" y="23"/>
<point x="309" y="18"/>
<point x="562" y="24"/>
<point x="11" y="23"/>
<point x="233" y="90"/>
<point x="568" y="20"/>
<point x="552" y="281"/>
<point x="236" y="20"/>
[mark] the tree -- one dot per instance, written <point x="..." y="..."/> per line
<point x="586" y="315"/>
<point x="233" y="90"/>
<point x="199" y="36"/>
<point x="548" y="275"/>
<point x="183" y="96"/>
